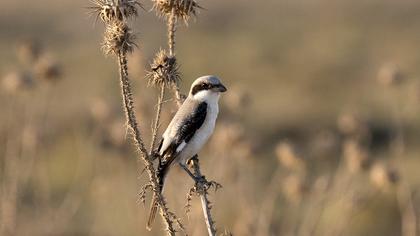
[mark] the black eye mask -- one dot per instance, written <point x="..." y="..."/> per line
<point x="200" y="87"/>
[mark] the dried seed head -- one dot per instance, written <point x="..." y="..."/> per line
<point x="288" y="156"/>
<point x="356" y="157"/>
<point x="182" y="8"/>
<point x="48" y="69"/>
<point x="382" y="176"/>
<point x="15" y="81"/>
<point x="164" y="70"/>
<point x="115" y="10"/>
<point x="390" y="74"/>
<point x="118" y="38"/>
<point x="29" y="51"/>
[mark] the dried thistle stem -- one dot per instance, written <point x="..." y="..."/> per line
<point x="171" y="32"/>
<point x="173" y="10"/>
<point x="172" y="20"/>
<point x="205" y="203"/>
<point x="201" y="185"/>
<point x="132" y="123"/>
<point x="156" y="124"/>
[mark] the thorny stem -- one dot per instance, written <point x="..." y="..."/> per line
<point x="205" y="204"/>
<point x="172" y="20"/>
<point x="156" y="124"/>
<point x="132" y="123"/>
<point x="171" y="32"/>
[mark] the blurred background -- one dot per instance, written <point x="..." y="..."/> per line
<point x="318" y="133"/>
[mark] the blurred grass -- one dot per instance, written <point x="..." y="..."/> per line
<point x="303" y="64"/>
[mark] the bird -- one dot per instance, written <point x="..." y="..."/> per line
<point x="188" y="131"/>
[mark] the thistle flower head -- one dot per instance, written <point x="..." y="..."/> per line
<point x="115" y="10"/>
<point x="164" y="70"/>
<point x="118" y="38"/>
<point x="182" y="8"/>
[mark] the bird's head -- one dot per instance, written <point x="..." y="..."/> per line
<point x="206" y="87"/>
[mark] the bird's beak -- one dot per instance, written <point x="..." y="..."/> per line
<point x="221" y="88"/>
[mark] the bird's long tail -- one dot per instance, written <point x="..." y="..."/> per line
<point x="154" y="206"/>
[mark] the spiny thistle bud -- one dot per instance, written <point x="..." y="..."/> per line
<point x="182" y="8"/>
<point x="164" y="70"/>
<point x="115" y="10"/>
<point x="118" y="38"/>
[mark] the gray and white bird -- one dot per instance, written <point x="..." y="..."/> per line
<point x="189" y="130"/>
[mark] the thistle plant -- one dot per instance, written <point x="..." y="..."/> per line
<point x="120" y="41"/>
<point x="165" y="73"/>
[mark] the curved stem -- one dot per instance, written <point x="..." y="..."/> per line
<point x="132" y="124"/>
<point x="171" y="32"/>
<point x="172" y="19"/>
<point x="205" y="203"/>
<point x="156" y="124"/>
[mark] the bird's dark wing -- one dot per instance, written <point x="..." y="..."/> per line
<point x="184" y="134"/>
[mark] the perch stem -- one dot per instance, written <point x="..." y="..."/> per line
<point x="132" y="123"/>
<point x="157" y="118"/>
<point x="205" y="203"/>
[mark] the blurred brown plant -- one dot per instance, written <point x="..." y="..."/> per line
<point x="288" y="157"/>
<point x="294" y="188"/>
<point x="390" y="74"/>
<point x="15" y="81"/>
<point x="356" y="157"/>
<point x="47" y="68"/>
<point x="28" y="51"/>
<point x="383" y="176"/>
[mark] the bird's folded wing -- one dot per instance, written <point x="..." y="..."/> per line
<point x="186" y="129"/>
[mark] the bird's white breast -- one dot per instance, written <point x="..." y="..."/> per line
<point x="203" y="133"/>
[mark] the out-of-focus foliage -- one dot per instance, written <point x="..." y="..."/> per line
<point x="318" y="134"/>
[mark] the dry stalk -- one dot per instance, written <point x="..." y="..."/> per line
<point x="132" y="123"/>
<point x="119" y="40"/>
<point x="201" y="188"/>
<point x="156" y="123"/>
<point x="172" y="10"/>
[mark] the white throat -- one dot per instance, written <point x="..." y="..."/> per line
<point x="207" y="96"/>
